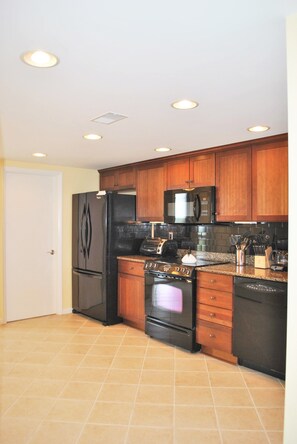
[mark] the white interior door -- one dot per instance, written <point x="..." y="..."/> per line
<point x="31" y="241"/>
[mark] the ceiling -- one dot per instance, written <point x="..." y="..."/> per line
<point x="135" y="58"/>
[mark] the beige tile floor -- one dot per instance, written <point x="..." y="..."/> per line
<point x="68" y="379"/>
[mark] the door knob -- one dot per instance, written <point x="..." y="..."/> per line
<point x="51" y="252"/>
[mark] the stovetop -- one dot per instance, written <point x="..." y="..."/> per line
<point x="175" y="267"/>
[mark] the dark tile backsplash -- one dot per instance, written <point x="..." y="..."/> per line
<point x="209" y="238"/>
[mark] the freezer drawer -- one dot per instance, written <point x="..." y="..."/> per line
<point x="88" y="294"/>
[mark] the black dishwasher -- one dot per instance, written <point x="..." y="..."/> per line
<point x="260" y="325"/>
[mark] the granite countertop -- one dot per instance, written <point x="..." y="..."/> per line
<point x="230" y="269"/>
<point x="246" y="271"/>
<point x="136" y="258"/>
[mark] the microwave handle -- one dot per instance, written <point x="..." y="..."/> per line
<point x="197" y="207"/>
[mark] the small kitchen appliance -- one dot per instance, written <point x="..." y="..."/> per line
<point x="279" y="259"/>
<point x="158" y="247"/>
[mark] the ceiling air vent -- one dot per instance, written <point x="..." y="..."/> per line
<point x="109" y="118"/>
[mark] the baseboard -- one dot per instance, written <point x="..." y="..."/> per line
<point x="66" y="311"/>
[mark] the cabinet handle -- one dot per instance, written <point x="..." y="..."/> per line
<point x="212" y="335"/>
<point x="212" y="298"/>
<point x="212" y="281"/>
<point x="212" y="315"/>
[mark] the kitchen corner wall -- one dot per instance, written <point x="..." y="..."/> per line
<point x="74" y="180"/>
<point x="1" y="237"/>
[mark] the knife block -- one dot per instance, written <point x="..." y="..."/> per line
<point x="264" y="260"/>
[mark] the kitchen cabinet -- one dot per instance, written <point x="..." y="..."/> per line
<point x="192" y="171"/>
<point x="118" y="179"/>
<point x="151" y="181"/>
<point x="214" y="314"/>
<point x="270" y="181"/>
<point x="131" y="293"/>
<point x="233" y="185"/>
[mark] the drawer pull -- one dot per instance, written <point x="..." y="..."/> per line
<point x="212" y="298"/>
<point x="212" y="315"/>
<point x="212" y="336"/>
<point x="212" y="281"/>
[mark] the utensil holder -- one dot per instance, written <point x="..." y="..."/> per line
<point x="240" y="257"/>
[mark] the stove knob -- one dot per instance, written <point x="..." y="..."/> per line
<point x="188" y="272"/>
<point x="154" y="265"/>
<point x="177" y="268"/>
<point x="183" y="269"/>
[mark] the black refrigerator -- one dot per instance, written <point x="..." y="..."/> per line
<point x="98" y="237"/>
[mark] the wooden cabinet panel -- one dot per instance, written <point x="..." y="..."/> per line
<point x="202" y="170"/>
<point x="214" y="314"/>
<point x="130" y="267"/>
<point x="214" y="336"/>
<point x="215" y="281"/>
<point x="131" y="293"/>
<point x="107" y="180"/>
<point x="233" y="185"/>
<point x="150" y="193"/>
<point x="270" y="182"/>
<point x="193" y="171"/>
<point x="178" y="172"/>
<point x="122" y="178"/>
<point x="216" y="298"/>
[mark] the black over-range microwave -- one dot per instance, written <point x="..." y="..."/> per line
<point x="190" y="207"/>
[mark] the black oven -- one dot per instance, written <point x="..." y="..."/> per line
<point x="170" y="303"/>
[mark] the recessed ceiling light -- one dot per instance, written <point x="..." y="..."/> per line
<point x="162" y="149"/>
<point x="40" y="59"/>
<point x="92" y="137"/>
<point x="39" y="154"/>
<point x="184" y="104"/>
<point x="258" y="128"/>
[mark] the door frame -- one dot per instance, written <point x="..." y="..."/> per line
<point x="57" y="176"/>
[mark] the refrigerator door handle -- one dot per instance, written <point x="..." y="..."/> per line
<point x="88" y="231"/>
<point x="83" y="231"/>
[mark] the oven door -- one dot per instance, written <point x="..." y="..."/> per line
<point x="170" y="300"/>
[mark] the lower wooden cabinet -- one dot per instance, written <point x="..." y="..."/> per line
<point x="214" y="314"/>
<point x="131" y="293"/>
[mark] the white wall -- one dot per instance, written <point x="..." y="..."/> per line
<point x="290" y="435"/>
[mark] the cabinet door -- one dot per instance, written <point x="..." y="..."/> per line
<point x="131" y="299"/>
<point x="233" y="185"/>
<point x="150" y="193"/>
<point x="118" y="179"/>
<point x="126" y="178"/>
<point x="178" y="174"/>
<point x="202" y="170"/>
<point x="270" y="182"/>
<point x="107" y="180"/>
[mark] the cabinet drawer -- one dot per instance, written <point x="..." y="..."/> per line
<point x="214" y="336"/>
<point x="216" y="298"/>
<point x="216" y="281"/>
<point x="130" y="267"/>
<point x="214" y="314"/>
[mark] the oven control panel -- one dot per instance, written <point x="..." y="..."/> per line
<point x="170" y="269"/>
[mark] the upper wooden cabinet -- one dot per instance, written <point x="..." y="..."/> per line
<point x="193" y="171"/>
<point x="270" y="182"/>
<point x="233" y="185"/>
<point x="151" y="181"/>
<point x="118" y="179"/>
